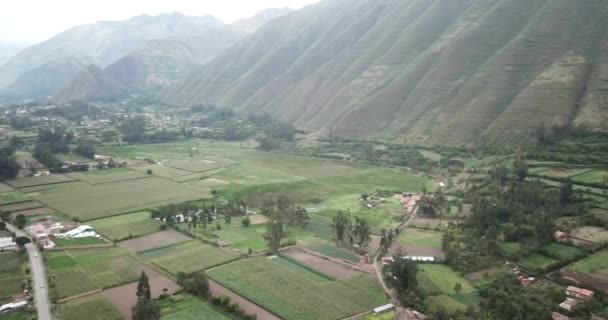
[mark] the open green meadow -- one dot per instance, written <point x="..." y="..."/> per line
<point x="327" y="248"/>
<point x="294" y="294"/>
<point x="185" y="307"/>
<point x="127" y="225"/>
<point x="162" y="171"/>
<point x="447" y="303"/>
<point x="11" y="276"/>
<point x="421" y="237"/>
<point x="102" y="200"/>
<point x="593" y="263"/>
<point x="13" y="197"/>
<point x="70" y="242"/>
<point x="320" y="225"/>
<point x="562" y="252"/>
<point x="439" y="281"/>
<point x="109" y="175"/>
<point x="538" y="262"/>
<point x="79" y="271"/>
<point x="553" y="172"/>
<point x="39" y="181"/>
<point x="187" y="257"/>
<point x="98" y="309"/>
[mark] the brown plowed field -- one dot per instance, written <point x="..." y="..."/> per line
<point x="326" y="266"/>
<point x="155" y="240"/>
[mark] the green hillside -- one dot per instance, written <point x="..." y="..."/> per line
<point x="431" y="72"/>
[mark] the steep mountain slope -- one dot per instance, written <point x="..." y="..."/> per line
<point x="252" y="24"/>
<point x="451" y="72"/>
<point x="102" y="43"/>
<point x="92" y="83"/>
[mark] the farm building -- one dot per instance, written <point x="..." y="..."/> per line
<point x="559" y="316"/>
<point x="83" y="231"/>
<point x="7" y="244"/>
<point x="411" y="314"/>
<point x="384" y="308"/>
<point x="569" y="304"/>
<point x="579" y="293"/>
<point x="12" y="306"/>
<point x="420" y="258"/>
<point x="560" y="236"/>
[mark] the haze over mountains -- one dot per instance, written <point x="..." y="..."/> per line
<point x="160" y="47"/>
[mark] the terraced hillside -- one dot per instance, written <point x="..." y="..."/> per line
<point x="428" y="71"/>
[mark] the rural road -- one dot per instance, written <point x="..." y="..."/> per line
<point x="40" y="286"/>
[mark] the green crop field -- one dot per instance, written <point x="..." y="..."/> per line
<point x="187" y="257"/>
<point x="420" y="237"/>
<point x="594" y="176"/>
<point x="163" y="171"/>
<point x="593" y="263"/>
<point x="109" y="175"/>
<point x="538" y="262"/>
<point x="39" y="181"/>
<point x="320" y="225"/>
<point x="125" y="226"/>
<point x="446" y="302"/>
<point x="65" y="242"/>
<point x="186" y="307"/>
<point x="562" y="252"/>
<point x="327" y="248"/>
<point x="11" y="276"/>
<point x="13" y="197"/>
<point x="102" y="200"/>
<point x="98" y="309"/>
<point x="79" y="271"/>
<point x="294" y="295"/>
<point x="563" y="172"/>
<point x="440" y="279"/>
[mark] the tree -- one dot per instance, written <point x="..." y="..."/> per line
<point x="566" y="192"/>
<point x="9" y="168"/>
<point x="458" y="287"/>
<point x="195" y="283"/>
<point x="301" y="217"/>
<point x="20" y="221"/>
<point x="362" y="232"/>
<point x="268" y="143"/>
<point x="110" y="135"/>
<point x="85" y="149"/>
<point x="146" y="308"/>
<point x="134" y="130"/>
<point x="401" y="275"/>
<point x="22" y="241"/>
<point x="143" y="287"/>
<point x="520" y="168"/>
<point x="246" y="222"/>
<point x="2" y="225"/>
<point x="340" y="225"/>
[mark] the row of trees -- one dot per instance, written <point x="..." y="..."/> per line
<point x="348" y="232"/>
<point x="280" y="213"/>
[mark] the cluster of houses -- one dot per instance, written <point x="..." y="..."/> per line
<point x="7" y="244"/>
<point x="575" y="296"/>
<point x="409" y="200"/>
<point x="46" y="229"/>
<point x="19" y="301"/>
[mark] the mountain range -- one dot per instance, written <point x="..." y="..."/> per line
<point x="453" y="72"/>
<point x="162" y="49"/>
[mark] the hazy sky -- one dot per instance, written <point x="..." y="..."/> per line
<point x="31" y="21"/>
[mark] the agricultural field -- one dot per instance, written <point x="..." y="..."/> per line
<point x="440" y="282"/>
<point x="296" y="294"/>
<point x="39" y="181"/>
<point x="320" y="225"/>
<point x="162" y="171"/>
<point x="331" y="269"/>
<point x="187" y="257"/>
<point x="596" y="264"/>
<point x="70" y="242"/>
<point x="593" y="176"/>
<point x="562" y="252"/>
<point x="185" y="307"/>
<point x="538" y="262"/>
<point x="5" y="187"/>
<point x="108" y="176"/>
<point x="593" y="234"/>
<point x="556" y="172"/>
<point x="421" y="237"/>
<point x="327" y="248"/>
<point x="79" y="271"/>
<point x="11" y="276"/>
<point x="13" y="197"/>
<point x="97" y="308"/>
<point x="125" y="226"/>
<point x="126" y="196"/>
<point x="159" y="239"/>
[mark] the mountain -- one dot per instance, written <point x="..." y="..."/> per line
<point x="92" y="83"/>
<point x="7" y="51"/>
<point x="451" y="72"/>
<point x="252" y="24"/>
<point x="101" y="43"/>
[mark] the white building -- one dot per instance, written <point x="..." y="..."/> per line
<point x="7" y="244"/>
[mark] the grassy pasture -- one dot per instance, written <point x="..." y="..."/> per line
<point x="97" y="309"/>
<point x="98" y="201"/>
<point x="562" y="172"/>
<point x="440" y="279"/>
<point x="195" y="311"/>
<point x="187" y="257"/>
<point x="593" y="263"/>
<point x="294" y="295"/>
<point x="13" y="197"/>
<point x="538" y="262"/>
<point x="593" y="176"/>
<point x="420" y="237"/>
<point x="320" y="225"/>
<point x="71" y="282"/>
<point x="328" y="249"/>
<point x="562" y="252"/>
<point x="109" y="175"/>
<point x="446" y="302"/>
<point x="162" y="171"/>
<point x="63" y="242"/>
<point x="11" y="276"/>
<point x="39" y="181"/>
<point x="123" y="226"/>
